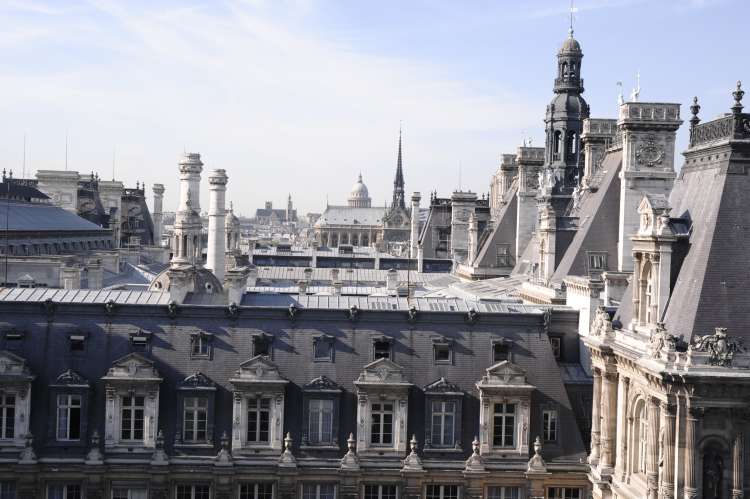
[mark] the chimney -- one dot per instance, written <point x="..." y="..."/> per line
<point x="70" y="277"/>
<point x="235" y="284"/>
<point x="191" y="167"/>
<point x="158" y="215"/>
<point x="391" y="280"/>
<point x="96" y="273"/>
<point x="216" y="251"/>
<point x="414" y="241"/>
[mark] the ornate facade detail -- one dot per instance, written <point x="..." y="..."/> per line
<point x="443" y="386"/>
<point x="472" y="316"/>
<point x="412" y="461"/>
<point x="661" y="342"/>
<point x="650" y="153"/>
<point x="475" y="463"/>
<point x="322" y="384"/>
<point x="602" y="323"/>
<point x="233" y="311"/>
<point x="197" y="380"/>
<point x="287" y="459"/>
<point x="350" y="461"/>
<point x="109" y="307"/>
<point x="719" y="346"/>
<point x="536" y="463"/>
<point x="71" y="378"/>
<point x="94" y="455"/>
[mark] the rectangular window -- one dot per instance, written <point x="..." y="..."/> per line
<point x="597" y="261"/>
<point x="323" y="349"/>
<point x="200" y="345"/>
<point x="7" y="490"/>
<point x="500" y="351"/>
<point x="260" y="490"/>
<point x="381" y="349"/>
<point x="380" y="491"/>
<point x="504" y="425"/>
<point x="503" y="493"/>
<point x="258" y="417"/>
<point x="556" y="344"/>
<point x="381" y="432"/>
<point x="503" y="255"/>
<point x="193" y="491"/>
<point x="195" y="419"/>
<point x="132" y="418"/>
<point x="68" y="417"/>
<point x="129" y="493"/>
<point x="442" y="353"/>
<point x="443" y="424"/>
<point x="549" y="423"/>
<point x="7" y="416"/>
<point x="77" y="343"/>
<point x="64" y="491"/>
<point x="320" y="425"/>
<point x="261" y="345"/>
<point x="318" y="491"/>
<point x="563" y="493"/>
<point x="441" y="492"/>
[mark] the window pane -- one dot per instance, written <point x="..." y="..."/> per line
<point x="7" y="490"/>
<point x="326" y="491"/>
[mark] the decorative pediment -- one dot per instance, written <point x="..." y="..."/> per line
<point x="133" y="367"/>
<point x="322" y="384"/>
<point x="654" y="215"/>
<point x="70" y="378"/>
<point x="504" y="374"/>
<point x="443" y="387"/>
<point x="197" y="381"/>
<point x="258" y="370"/>
<point x="14" y="368"/>
<point x="382" y="372"/>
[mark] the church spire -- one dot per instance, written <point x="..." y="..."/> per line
<point x="398" y="183"/>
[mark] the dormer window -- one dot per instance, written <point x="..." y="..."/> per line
<point x="15" y="396"/>
<point x="140" y="341"/>
<point x="196" y="400"/>
<point x="200" y="345"/>
<point x="500" y="350"/>
<point x="597" y="262"/>
<point x="77" y="342"/>
<point x="7" y="416"/>
<point x="442" y="350"/>
<point x="382" y="348"/>
<point x="262" y="344"/>
<point x="323" y="348"/>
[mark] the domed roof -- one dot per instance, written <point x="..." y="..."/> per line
<point x="204" y="281"/>
<point x="231" y="220"/>
<point x="570" y="45"/>
<point x="569" y="105"/>
<point x="359" y="191"/>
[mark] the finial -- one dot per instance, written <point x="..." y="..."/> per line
<point x="413" y="444"/>
<point x="538" y="446"/>
<point x="475" y="445"/>
<point x="288" y="441"/>
<point x="3" y="174"/>
<point x="10" y="174"/>
<point x="738" y="94"/>
<point x="572" y="11"/>
<point x="695" y="109"/>
<point x="350" y="442"/>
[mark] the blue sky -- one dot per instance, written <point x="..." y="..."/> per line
<point x="300" y="96"/>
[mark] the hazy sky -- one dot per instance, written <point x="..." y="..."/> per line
<point x="300" y="96"/>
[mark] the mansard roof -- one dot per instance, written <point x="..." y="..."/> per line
<point x="598" y="222"/>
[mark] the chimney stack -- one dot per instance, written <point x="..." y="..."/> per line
<point x="216" y="251"/>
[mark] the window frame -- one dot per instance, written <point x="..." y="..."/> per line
<point x="263" y="342"/>
<point x="323" y="339"/>
<point x="192" y="486"/>
<point x="69" y="406"/>
<point x="381" y="424"/>
<point x="503" y="492"/>
<point x="557" y="352"/>
<point x="379" y="487"/>
<point x="442" y="487"/>
<point x="133" y="409"/>
<point x="201" y="338"/>
<point x="259" y="409"/>
<point x="456" y="445"/>
<point x="442" y="343"/>
<point x="383" y="340"/>
<point x="321" y="388"/>
<point x="550" y="414"/>
<point x="256" y="484"/>
<point x="503" y="342"/>
<point x="128" y="486"/>
<point x="5" y="492"/>
<point x="197" y="385"/>
<point x="562" y="493"/>
<point x="65" y="486"/>
<point x="4" y="418"/>
<point x="503" y="416"/>
<point x="317" y="486"/>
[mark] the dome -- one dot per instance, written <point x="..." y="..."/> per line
<point x="359" y="196"/>
<point x="570" y="45"/>
<point x="231" y="220"/>
<point x="569" y="105"/>
<point x="204" y="281"/>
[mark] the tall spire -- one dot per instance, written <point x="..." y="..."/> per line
<point x="398" y="183"/>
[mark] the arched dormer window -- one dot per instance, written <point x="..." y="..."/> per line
<point x="646" y="294"/>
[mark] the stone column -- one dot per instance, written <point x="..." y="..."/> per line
<point x="596" y="418"/>
<point x="691" y="430"/>
<point x="414" y="238"/>
<point x="608" y="422"/>
<point x="738" y="466"/>
<point x="622" y="418"/>
<point x="667" y="473"/>
<point x="158" y="215"/>
<point x="216" y="250"/>
<point x="652" y="451"/>
<point x="191" y="167"/>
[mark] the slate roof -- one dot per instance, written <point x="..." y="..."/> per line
<point x="598" y="223"/>
<point x="30" y="217"/>
<point x="504" y="230"/>
<point x="348" y="215"/>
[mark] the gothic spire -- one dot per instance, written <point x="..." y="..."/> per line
<point x="398" y="183"/>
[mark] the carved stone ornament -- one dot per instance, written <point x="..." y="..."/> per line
<point x="719" y="346"/>
<point x="412" y="461"/>
<point x="472" y="316"/>
<point x="224" y="457"/>
<point x="292" y="312"/>
<point x="94" y="455"/>
<point x="159" y="457"/>
<point x="109" y="307"/>
<point x="353" y="313"/>
<point x="475" y="463"/>
<point x="27" y="453"/>
<point x="661" y="342"/>
<point x="233" y="311"/>
<point x="602" y="323"/>
<point x="172" y="308"/>
<point x="536" y="463"/>
<point x="350" y="461"/>
<point x="49" y="307"/>
<point x="287" y="459"/>
<point x="412" y="314"/>
<point x="650" y="153"/>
